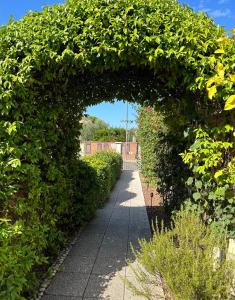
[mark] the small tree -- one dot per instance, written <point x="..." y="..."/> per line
<point x="90" y="125"/>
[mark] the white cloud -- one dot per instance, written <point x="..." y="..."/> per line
<point x="223" y="1"/>
<point x="220" y="13"/>
<point x="207" y="9"/>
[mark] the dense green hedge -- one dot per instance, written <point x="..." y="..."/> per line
<point x="25" y="251"/>
<point x="55" y="63"/>
<point x="115" y="163"/>
<point x="161" y="139"/>
<point x="108" y="166"/>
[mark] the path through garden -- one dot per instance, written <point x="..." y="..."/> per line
<point x="96" y="265"/>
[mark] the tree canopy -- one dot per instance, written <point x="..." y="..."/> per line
<point x="90" y="125"/>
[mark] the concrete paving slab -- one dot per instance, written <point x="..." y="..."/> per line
<point x="85" y="249"/>
<point x="109" y="265"/>
<point x="110" y="241"/>
<point x="121" y="231"/>
<point x="155" y="290"/>
<point x="129" y="296"/>
<point x="81" y="264"/>
<point x="68" y="284"/>
<point x="95" y="267"/>
<point x="105" y="287"/>
<point x="114" y="251"/>
<point x="57" y="297"/>
<point x="95" y="238"/>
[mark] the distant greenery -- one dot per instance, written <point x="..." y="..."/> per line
<point x="90" y="126"/>
<point x="114" y="134"/>
<point x="110" y="134"/>
<point x="95" y="129"/>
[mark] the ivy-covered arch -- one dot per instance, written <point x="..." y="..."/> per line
<point x="55" y="63"/>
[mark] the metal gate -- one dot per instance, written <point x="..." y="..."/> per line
<point x="130" y="165"/>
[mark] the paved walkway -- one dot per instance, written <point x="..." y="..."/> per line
<point x="96" y="263"/>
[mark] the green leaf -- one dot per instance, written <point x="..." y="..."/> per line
<point x="219" y="51"/>
<point x="190" y="181"/>
<point x="196" y="196"/>
<point x="212" y="91"/>
<point x="218" y="173"/>
<point x="198" y="184"/>
<point x="230" y="103"/>
<point x="14" y="163"/>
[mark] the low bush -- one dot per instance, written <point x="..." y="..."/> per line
<point x="115" y="162"/>
<point x="187" y="259"/>
<point x="30" y="242"/>
<point x="108" y="166"/>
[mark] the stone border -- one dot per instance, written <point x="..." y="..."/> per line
<point x="57" y="264"/>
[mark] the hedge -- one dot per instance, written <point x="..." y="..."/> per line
<point x="115" y="163"/>
<point x="107" y="165"/>
<point x="26" y="252"/>
<point x="55" y="63"/>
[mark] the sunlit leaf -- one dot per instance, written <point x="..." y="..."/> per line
<point x="212" y="91"/>
<point x="219" y="51"/>
<point x="218" y="173"/>
<point x="230" y="103"/>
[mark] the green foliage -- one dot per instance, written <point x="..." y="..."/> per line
<point x="223" y="81"/>
<point x="110" y="135"/>
<point x="114" y="161"/>
<point x="108" y="166"/>
<point x="90" y="126"/>
<point x="187" y="258"/>
<point x="149" y="128"/>
<point x="160" y="139"/>
<point x="55" y="63"/>
<point x="27" y="246"/>
<point x="114" y="134"/>
<point x="212" y="184"/>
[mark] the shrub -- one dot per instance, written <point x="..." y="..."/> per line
<point x="160" y="135"/>
<point x="107" y="165"/>
<point x="28" y="246"/>
<point x="115" y="162"/>
<point x="185" y="257"/>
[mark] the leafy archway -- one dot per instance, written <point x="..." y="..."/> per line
<point x="57" y="62"/>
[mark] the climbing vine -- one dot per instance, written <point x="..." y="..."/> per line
<point x="55" y="63"/>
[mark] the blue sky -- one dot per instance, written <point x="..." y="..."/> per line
<point x="222" y="11"/>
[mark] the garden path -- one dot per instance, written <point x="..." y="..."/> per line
<point x="96" y="264"/>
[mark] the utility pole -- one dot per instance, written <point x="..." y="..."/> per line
<point x="126" y="127"/>
<point x="127" y="121"/>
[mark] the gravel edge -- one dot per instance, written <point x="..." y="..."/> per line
<point x="57" y="264"/>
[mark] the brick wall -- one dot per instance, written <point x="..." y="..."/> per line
<point x="91" y="147"/>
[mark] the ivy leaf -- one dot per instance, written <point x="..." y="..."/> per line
<point x="198" y="184"/>
<point x="232" y="77"/>
<point x="230" y="103"/>
<point x="190" y="181"/>
<point x="219" y="51"/>
<point x="14" y="163"/>
<point x="220" y="71"/>
<point x="211" y="196"/>
<point x="212" y="91"/>
<point x="218" y="173"/>
<point x="196" y="196"/>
